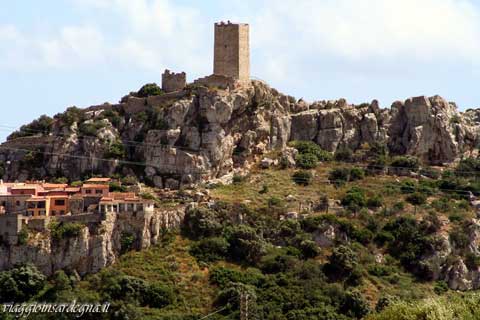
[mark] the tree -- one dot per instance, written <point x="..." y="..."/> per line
<point x="21" y="283"/>
<point x="150" y="89"/>
<point x="306" y="161"/>
<point x="159" y="295"/>
<point x="210" y="249"/>
<point x="201" y="222"/>
<point x="343" y="154"/>
<point x="245" y="244"/>
<point x="416" y="199"/>
<point x="302" y="177"/>
<point x="354" y="199"/>
<point x="341" y="262"/>
<point x="355" y="305"/>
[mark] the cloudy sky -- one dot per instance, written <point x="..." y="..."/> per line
<point x="55" y="54"/>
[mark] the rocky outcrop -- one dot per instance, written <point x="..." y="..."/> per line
<point x="97" y="245"/>
<point x="204" y="133"/>
<point x="431" y="129"/>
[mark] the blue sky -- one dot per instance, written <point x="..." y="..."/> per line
<point x="55" y="54"/>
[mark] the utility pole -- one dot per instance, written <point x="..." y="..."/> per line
<point x="244" y="306"/>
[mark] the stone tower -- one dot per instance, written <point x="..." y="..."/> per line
<point x="232" y="50"/>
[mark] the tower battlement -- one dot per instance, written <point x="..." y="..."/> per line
<point x="232" y="50"/>
<point x="172" y="81"/>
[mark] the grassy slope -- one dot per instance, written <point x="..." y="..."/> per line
<point x="171" y="262"/>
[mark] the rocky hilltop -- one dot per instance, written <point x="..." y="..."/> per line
<point x="203" y="133"/>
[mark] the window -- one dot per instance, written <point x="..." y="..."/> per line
<point x="102" y="208"/>
<point x="62" y="212"/>
<point x="121" y="207"/>
<point x="59" y="202"/>
<point x="54" y="213"/>
<point x="31" y="205"/>
<point x="129" y="207"/>
<point x="41" y="205"/>
<point x="42" y="212"/>
<point x="17" y="203"/>
<point x="139" y="207"/>
<point x="98" y="191"/>
<point x="88" y="191"/>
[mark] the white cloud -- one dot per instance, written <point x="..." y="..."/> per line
<point x="289" y="37"/>
<point x="357" y="29"/>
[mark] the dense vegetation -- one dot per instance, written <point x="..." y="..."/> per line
<point x="357" y="248"/>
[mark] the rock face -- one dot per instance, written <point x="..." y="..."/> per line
<point x="431" y="129"/>
<point x="205" y="133"/>
<point x="96" y="247"/>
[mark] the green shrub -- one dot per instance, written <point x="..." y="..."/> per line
<point x="357" y="174"/>
<point x="129" y="180"/>
<point x="112" y="116"/>
<point x="91" y="128"/>
<point x="21" y="283"/>
<point x="71" y="115"/>
<point x="416" y="199"/>
<point x="405" y="162"/>
<point x="201" y="223"/>
<point x="77" y="183"/>
<point x="375" y="201"/>
<point x="264" y="189"/>
<point x="468" y="167"/>
<point x="399" y="206"/>
<point x="440" y="287"/>
<point x="355" y="305"/>
<point x="237" y="179"/>
<point x="245" y="244"/>
<point x="42" y="125"/>
<point x="210" y="249"/>
<point x="354" y="199"/>
<point x="306" y="160"/>
<point x="150" y="89"/>
<point x="302" y="177"/>
<point x="339" y="176"/>
<point x="459" y="238"/>
<point x="309" y="147"/>
<point x="343" y="154"/>
<point x="127" y="241"/>
<point x="158" y="295"/>
<point x="65" y="230"/>
<point x="23" y="236"/>
<point x="430" y="173"/>
<point x="341" y="262"/>
<point x="116" y="150"/>
<point x="472" y="261"/>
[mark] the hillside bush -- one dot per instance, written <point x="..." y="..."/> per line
<point x="150" y="89"/>
<point x="354" y="199"/>
<point x="210" y="249"/>
<point x="42" y="125"/>
<point x="302" y="177"/>
<point x="343" y="154"/>
<point x="65" y="230"/>
<point x="309" y="147"/>
<point x="405" y="162"/>
<point x="306" y="160"/>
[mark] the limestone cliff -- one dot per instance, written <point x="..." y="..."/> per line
<point x="97" y="245"/>
<point x="204" y="133"/>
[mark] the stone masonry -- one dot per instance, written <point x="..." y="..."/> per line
<point x="173" y="81"/>
<point x="232" y="51"/>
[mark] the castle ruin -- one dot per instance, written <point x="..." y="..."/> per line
<point x="232" y="50"/>
<point x="172" y="81"/>
<point x="231" y="60"/>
